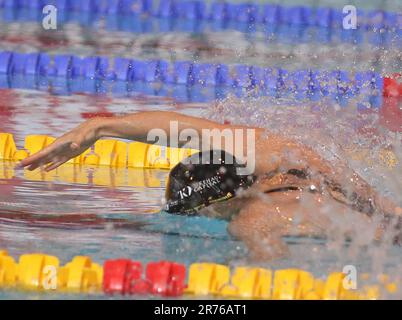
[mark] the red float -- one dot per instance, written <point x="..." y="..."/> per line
<point x="166" y="278"/>
<point x="392" y="86"/>
<point x="118" y="275"/>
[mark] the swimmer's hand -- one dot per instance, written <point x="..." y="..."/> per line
<point x="68" y="146"/>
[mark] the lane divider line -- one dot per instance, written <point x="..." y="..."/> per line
<point x="198" y="10"/>
<point x="107" y="152"/>
<point x="41" y="272"/>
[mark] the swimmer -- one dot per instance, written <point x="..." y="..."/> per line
<point x="292" y="190"/>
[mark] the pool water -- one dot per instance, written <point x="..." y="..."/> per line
<point x="109" y="213"/>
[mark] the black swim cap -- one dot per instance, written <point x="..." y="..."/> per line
<point x="202" y="179"/>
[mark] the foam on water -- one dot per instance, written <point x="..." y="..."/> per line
<point x="336" y="132"/>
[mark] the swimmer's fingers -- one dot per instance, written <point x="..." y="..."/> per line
<point x="50" y="162"/>
<point x="55" y="165"/>
<point x="35" y="160"/>
<point x="37" y="165"/>
<point x="40" y="163"/>
<point x="67" y="146"/>
<point x="40" y="158"/>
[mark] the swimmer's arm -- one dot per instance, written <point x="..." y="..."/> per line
<point x="350" y="188"/>
<point x="136" y="127"/>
